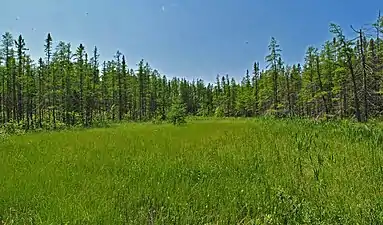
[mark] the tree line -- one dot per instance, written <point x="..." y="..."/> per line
<point x="343" y="78"/>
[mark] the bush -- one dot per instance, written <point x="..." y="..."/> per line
<point x="158" y="119"/>
<point x="12" y="127"/>
<point x="219" y="112"/>
<point x="177" y="113"/>
<point x="3" y="135"/>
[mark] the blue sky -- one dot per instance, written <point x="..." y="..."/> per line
<point x="185" y="38"/>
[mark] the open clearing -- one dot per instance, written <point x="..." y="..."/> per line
<point x="230" y="171"/>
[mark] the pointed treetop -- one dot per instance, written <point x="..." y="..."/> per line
<point x="49" y="37"/>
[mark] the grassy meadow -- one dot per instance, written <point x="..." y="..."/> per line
<point x="233" y="171"/>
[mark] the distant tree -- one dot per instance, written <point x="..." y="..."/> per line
<point x="346" y="51"/>
<point x="141" y="85"/>
<point x="327" y="59"/>
<point x="256" y="78"/>
<point x="272" y="60"/>
<point x="95" y="83"/>
<point x="50" y="77"/>
<point x="8" y="56"/>
<point x="309" y="85"/>
<point x="18" y="79"/>
<point x="41" y="102"/>
<point x="80" y="54"/>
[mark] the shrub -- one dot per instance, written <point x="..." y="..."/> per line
<point x="177" y="113"/>
<point x="219" y="112"/>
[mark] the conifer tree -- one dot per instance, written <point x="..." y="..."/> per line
<point x="17" y="79"/>
<point x="256" y="87"/>
<point x="49" y="84"/>
<point x="346" y="51"/>
<point x="95" y="84"/>
<point x="8" y="54"/>
<point x="272" y="60"/>
<point x="80" y="54"/>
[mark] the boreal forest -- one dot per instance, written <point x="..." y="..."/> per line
<point x="69" y="86"/>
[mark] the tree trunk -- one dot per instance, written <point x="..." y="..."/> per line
<point x="364" y="76"/>
<point x="355" y="88"/>
<point x="321" y="85"/>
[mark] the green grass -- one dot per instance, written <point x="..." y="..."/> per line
<point x="232" y="171"/>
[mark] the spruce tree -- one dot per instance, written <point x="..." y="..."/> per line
<point x="49" y="84"/>
<point x="8" y="54"/>
<point x="272" y="60"/>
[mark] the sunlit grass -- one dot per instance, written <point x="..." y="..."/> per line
<point x="208" y="171"/>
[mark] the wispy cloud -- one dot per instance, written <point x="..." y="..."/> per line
<point x="164" y="7"/>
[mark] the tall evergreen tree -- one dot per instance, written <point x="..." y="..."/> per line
<point x="50" y="85"/>
<point x="8" y="55"/>
<point x="80" y="54"/>
<point x="346" y="51"/>
<point x="272" y="60"/>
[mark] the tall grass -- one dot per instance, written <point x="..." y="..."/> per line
<point x="233" y="171"/>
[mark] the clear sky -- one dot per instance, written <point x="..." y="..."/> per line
<point x="185" y="38"/>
